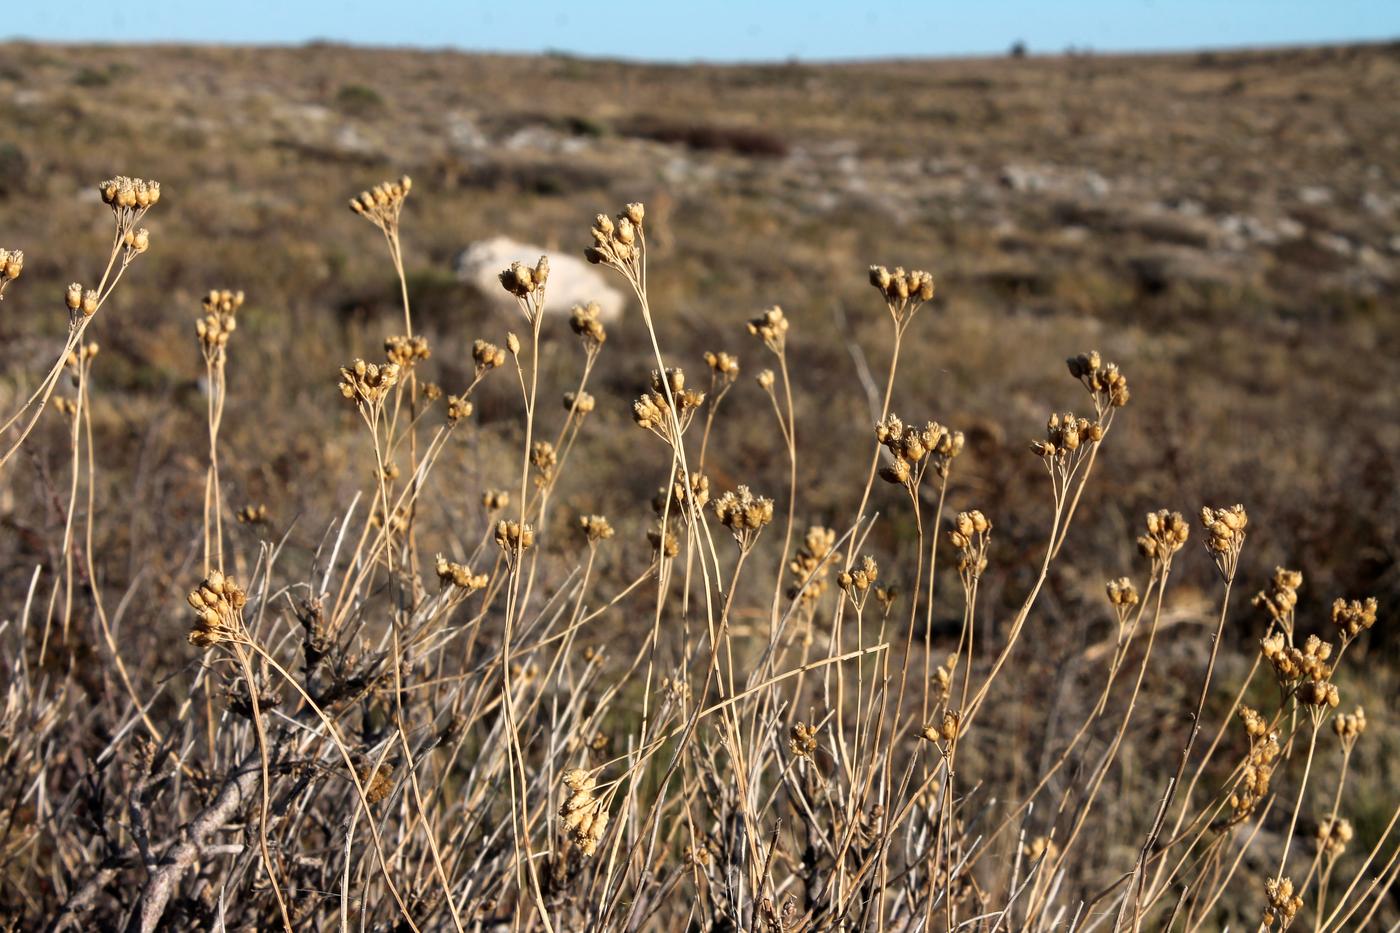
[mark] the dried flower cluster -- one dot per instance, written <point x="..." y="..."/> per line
<point x="1225" y="528"/>
<point x="451" y="573"/>
<point x="802" y="740"/>
<point x="585" y="321"/>
<point x="970" y="536"/>
<point x="513" y="537"/>
<point x="1122" y="596"/>
<point x="1354" y="617"/>
<point x="1332" y="836"/>
<point x="252" y="515"/>
<point x="1280" y="597"/>
<point x="366" y="384"/>
<point x="771" y="327"/>
<point x="652" y="410"/>
<point x="1105" y="383"/>
<point x="1166" y="534"/>
<point x="404" y="352"/>
<point x="218" y="605"/>
<point x="220" y="308"/>
<point x="744" y="514"/>
<point x="856" y="583"/>
<point x="583" y="814"/>
<point x="81" y="302"/>
<point x="915" y="449"/>
<point x="618" y="243"/>
<point x="595" y="528"/>
<point x="487" y="356"/>
<point x="1283" y="904"/>
<point x="11" y="265"/>
<point x="1258" y="770"/>
<point x="1064" y="434"/>
<point x="811" y="564"/>
<point x="904" y="292"/>
<point x="383" y="203"/>
<point x="1349" y="727"/>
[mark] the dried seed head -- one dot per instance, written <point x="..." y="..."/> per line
<point x="451" y="573"/>
<point x="595" y="528"/>
<point x="218" y="604"/>
<point x="513" y="538"/>
<point x="487" y="356"/>
<point x="811" y="564"/>
<point x="1167" y="532"/>
<point x="771" y="327"/>
<point x="618" y="243"/>
<point x="252" y="515"/>
<point x="744" y="514"/>
<point x="406" y="351"/>
<point x="1280" y="597"/>
<point x="11" y="265"/>
<point x="544" y="458"/>
<point x="724" y="368"/>
<point x="1225" y="529"/>
<point x="1353" y="618"/>
<point x="904" y="292"/>
<point x="580" y="402"/>
<point x="1040" y="847"/>
<point x="366" y="384"/>
<point x="765" y="380"/>
<point x="493" y="500"/>
<point x="583" y="816"/>
<point x="802" y="740"/>
<point x="585" y="321"/>
<point x="1106" y="385"/>
<point x="1349" y="727"/>
<point x="74" y="296"/>
<point x="1332" y="836"/>
<point x="458" y="408"/>
<point x="382" y="204"/>
<point x="663" y="542"/>
<point x="1283" y="905"/>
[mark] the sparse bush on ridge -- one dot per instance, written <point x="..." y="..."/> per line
<point x="422" y="733"/>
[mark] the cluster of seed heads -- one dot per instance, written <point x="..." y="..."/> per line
<point x="524" y="281"/>
<point x="83" y="355"/>
<point x="811" y="564"/>
<point x="451" y="573"/>
<point x="1166" y="534"/>
<point x="857" y="582"/>
<point x="1349" y="726"/>
<point x="1122" y="596"/>
<point x="1258" y="770"/>
<point x="1280" y="597"/>
<point x="771" y="327"/>
<point x="493" y="500"/>
<point x="378" y="781"/>
<point x="81" y="301"/>
<point x="366" y="384"/>
<point x="459" y="407"/>
<point x="513" y="537"/>
<point x="581" y="402"/>
<point x="11" y="265"/>
<point x="544" y="458"/>
<point x="1354" y="617"/>
<point x="724" y="368"/>
<point x="219" y="320"/>
<point x="583" y="814"/>
<point x="383" y="203"/>
<point x="137" y="241"/>
<point x="904" y="292"/>
<point x="1040" y="847"/>
<point x="487" y="356"/>
<point x="1307" y="668"/>
<point x="217" y="603"/>
<point x="970" y="536"/>
<point x="595" y="528"/>
<point x="618" y="243"/>
<point x="585" y="321"/>
<point x="252" y="515"/>
<point x="652" y="410"/>
<point x="744" y="514"/>
<point x="945" y="730"/>
<point x="1225" y="529"/>
<point x="1064" y="434"/>
<point x="404" y="352"/>
<point x="128" y="197"/>
<point x="915" y="449"/>
<point x="802" y="740"/>
<point x="1332" y="836"/>
<point x="683" y="493"/>
<point x="1107" y="385"/>
<point x="1283" y="903"/>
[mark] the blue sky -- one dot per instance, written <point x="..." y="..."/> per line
<point x="722" y="30"/>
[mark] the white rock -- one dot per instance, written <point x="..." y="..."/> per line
<point x="572" y="281"/>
